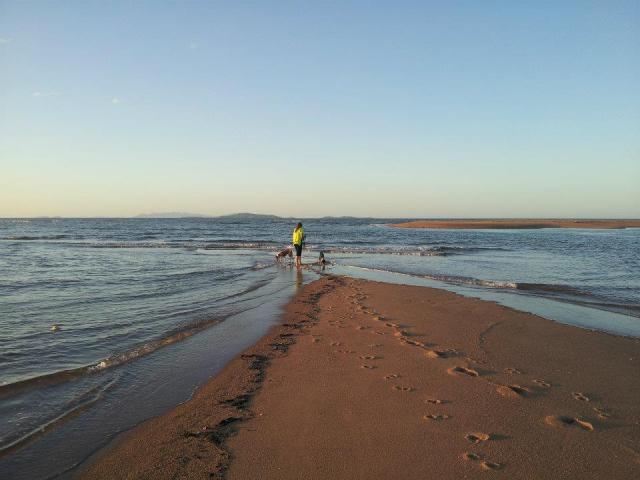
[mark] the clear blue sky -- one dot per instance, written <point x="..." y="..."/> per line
<point x="416" y="109"/>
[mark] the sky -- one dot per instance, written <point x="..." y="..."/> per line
<point x="384" y="109"/>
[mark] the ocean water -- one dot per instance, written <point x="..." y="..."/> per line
<point x="147" y="309"/>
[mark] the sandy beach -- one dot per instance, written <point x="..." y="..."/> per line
<point x="371" y="380"/>
<point x="519" y="224"/>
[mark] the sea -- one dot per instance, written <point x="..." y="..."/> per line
<point x="105" y="323"/>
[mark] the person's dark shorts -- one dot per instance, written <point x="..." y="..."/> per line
<point x="298" y="250"/>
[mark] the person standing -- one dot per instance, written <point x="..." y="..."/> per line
<point x="298" y="239"/>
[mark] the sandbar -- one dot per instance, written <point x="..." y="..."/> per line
<point x="367" y="380"/>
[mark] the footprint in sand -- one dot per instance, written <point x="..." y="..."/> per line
<point x="512" y="371"/>
<point x="435" y="401"/>
<point x="463" y="371"/>
<point x="368" y="357"/>
<point x="580" y="396"/>
<point x="379" y="333"/>
<point x="391" y="376"/>
<point x="346" y="351"/>
<point x="336" y="344"/>
<point x="477" y="437"/>
<point x="542" y="383"/>
<point x="485" y="465"/>
<point x="401" y="388"/>
<point x="401" y="333"/>
<point x="392" y="325"/>
<point x="566" y="421"/>
<point x="369" y="367"/>
<point x="471" y="456"/>
<point x="362" y="327"/>
<point x="513" y="391"/>
<point x="436" y="416"/>
<point x="375" y="345"/>
<point x="435" y="354"/>
<point x="441" y="353"/>
<point x="477" y="361"/>
<point x="602" y="413"/>
<point x="407" y="341"/>
<point x="379" y="318"/>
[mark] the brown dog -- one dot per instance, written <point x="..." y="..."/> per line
<point x="287" y="252"/>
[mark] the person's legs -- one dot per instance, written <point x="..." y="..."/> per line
<point x="298" y="255"/>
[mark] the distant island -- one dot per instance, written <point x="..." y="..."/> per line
<point x="249" y="216"/>
<point x="233" y="216"/>
<point x="519" y="223"/>
<point x="171" y="215"/>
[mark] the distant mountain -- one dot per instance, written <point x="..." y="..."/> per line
<point x="231" y="217"/>
<point x="171" y="215"/>
<point x="248" y="216"/>
<point x="344" y="217"/>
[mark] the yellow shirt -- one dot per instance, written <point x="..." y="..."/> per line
<point x="298" y="235"/>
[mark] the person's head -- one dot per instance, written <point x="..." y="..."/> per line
<point x="299" y="225"/>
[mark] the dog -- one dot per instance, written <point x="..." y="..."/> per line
<point x="321" y="260"/>
<point x="286" y="252"/>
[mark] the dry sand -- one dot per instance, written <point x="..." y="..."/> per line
<point x="367" y="380"/>
<point x="519" y="224"/>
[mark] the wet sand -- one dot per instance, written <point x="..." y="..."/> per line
<point x="519" y="224"/>
<point x="372" y="380"/>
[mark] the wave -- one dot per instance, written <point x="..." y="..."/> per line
<point x="73" y="408"/>
<point x="498" y="284"/>
<point x="148" y="240"/>
<point x="106" y="363"/>
<point x="560" y="292"/>
<point x="31" y="238"/>
<point x="435" y="251"/>
<point x="133" y="244"/>
<point x="546" y="287"/>
<point x="180" y="333"/>
<point x="266" y="245"/>
<point x="262" y="265"/>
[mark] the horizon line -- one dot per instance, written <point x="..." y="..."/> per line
<point x="161" y="216"/>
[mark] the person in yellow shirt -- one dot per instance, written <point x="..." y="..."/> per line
<point x="298" y="239"/>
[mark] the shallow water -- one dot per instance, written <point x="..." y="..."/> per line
<point x="135" y="300"/>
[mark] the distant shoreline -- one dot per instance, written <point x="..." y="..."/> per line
<point x="519" y="224"/>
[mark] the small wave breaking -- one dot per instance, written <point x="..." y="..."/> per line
<point x="418" y="251"/>
<point x="560" y="292"/>
<point x="26" y="238"/>
<point x="73" y="408"/>
<point x="204" y="245"/>
<point x="106" y="363"/>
